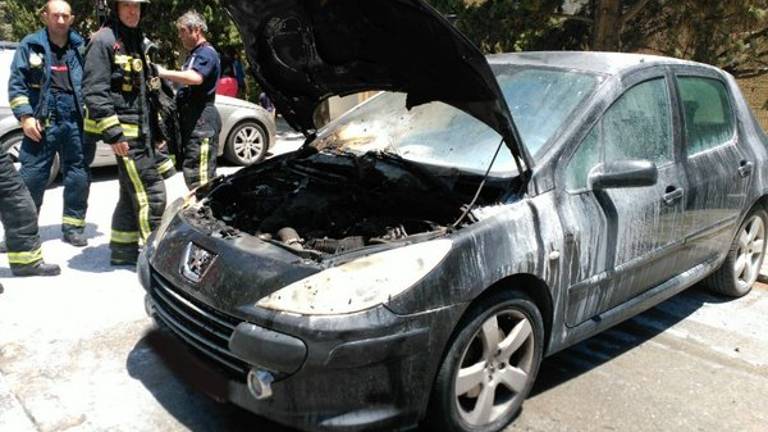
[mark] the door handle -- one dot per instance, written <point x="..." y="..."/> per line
<point x="745" y="168"/>
<point x="672" y="195"/>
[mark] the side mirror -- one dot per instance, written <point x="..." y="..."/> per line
<point x="623" y="174"/>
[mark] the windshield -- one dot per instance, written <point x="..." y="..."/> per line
<point x="436" y="133"/>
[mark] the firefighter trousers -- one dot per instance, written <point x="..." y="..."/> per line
<point x="141" y="203"/>
<point x="19" y="217"/>
<point x="200" y="130"/>
<point x="63" y="134"/>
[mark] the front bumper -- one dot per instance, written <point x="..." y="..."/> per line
<point x="370" y="370"/>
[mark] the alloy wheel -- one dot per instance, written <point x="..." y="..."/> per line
<point x="249" y="143"/>
<point x="495" y="368"/>
<point x="751" y="242"/>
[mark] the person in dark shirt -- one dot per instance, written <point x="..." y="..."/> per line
<point x="45" y="95"/>
<point x="228" y="85"/>
<point x="60" y="78"/>
<point x="198" y="118"/>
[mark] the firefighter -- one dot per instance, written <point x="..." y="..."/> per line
<point x="45" y="95"/>
<point x="116" y="92"/>
<point x="198" y="118"/>
<point x="164" y="116"/>
<point x="19" y="218"/>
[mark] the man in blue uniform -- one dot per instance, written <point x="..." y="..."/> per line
<point x="45" y="95"/>
<point x="198" y="118"/>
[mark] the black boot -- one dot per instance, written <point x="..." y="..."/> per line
<point x="124" y="259"/>
<point x="40" y="268"/>
<point x="75" y="239"/>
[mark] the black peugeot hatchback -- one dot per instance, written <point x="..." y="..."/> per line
<point x="416" y="258"/>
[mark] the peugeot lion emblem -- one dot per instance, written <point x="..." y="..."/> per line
<point x="196" y="262"/>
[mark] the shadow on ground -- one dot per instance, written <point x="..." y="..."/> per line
<point x="163" y="366"/>
<point x="53" y="232"/>
<point x="612" y="343"/>
<point x="155" y="362"/>
<point x="95" y="259"/>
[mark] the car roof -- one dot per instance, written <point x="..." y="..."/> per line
<point x="589" y="61"/>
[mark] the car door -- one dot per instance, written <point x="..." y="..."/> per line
<point x="629" y="236"/>
<point x="717" y="167"/>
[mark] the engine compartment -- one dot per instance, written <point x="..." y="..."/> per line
<point x="325" y="203"/>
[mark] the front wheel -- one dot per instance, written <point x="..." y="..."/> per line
<point x="741" y="267"/>
<point x="489" y="367"/>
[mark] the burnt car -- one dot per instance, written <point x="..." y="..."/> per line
<point x="417" y="258"/>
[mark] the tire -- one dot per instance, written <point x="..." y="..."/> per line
<point x="741" y="267"/>
<point x="247" y="143"/>
<point x="522" y="330"/>
<point x="12" y="144"/>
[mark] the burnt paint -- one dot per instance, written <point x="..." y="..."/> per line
<point x="558" y="237"/>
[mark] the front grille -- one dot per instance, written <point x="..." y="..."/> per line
<point x="206" y="330"/>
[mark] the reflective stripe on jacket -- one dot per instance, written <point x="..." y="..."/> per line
<point x="30" y="81"/>
<point x="114" y="86"/>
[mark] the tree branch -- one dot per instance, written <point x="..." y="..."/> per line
<point x="633" y="11"/>
<point x="574" y="18"/>
<point x="748" y="73"/>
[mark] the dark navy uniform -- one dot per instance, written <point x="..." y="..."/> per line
<point x="117" y="102"/>
<point x="45" y="83"/>
<point x="198" y="118"/>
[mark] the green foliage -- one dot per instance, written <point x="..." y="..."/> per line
<point x="727" y="33"/>
<point x="502" y="25"/>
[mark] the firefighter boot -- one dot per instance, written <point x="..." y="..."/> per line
<point x="75" y="238"/>
<point x="39" y="268"/>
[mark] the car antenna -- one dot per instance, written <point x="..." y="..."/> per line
<point x="480" y="187"/>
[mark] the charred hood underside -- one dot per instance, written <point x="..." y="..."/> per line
<point x="325" y="203"/>
<point x="305" y="51"/>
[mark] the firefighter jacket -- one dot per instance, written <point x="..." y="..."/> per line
<point x="29" y="86"/>
<point x="115" y="86"/>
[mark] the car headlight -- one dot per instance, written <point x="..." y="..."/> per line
<point x="361" y="283"/>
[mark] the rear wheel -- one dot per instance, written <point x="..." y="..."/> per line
<point x="490" y="365"/>
<point x="741" y="267"/>
<point x="12" y="145"/>
<point x="247" y="143"/>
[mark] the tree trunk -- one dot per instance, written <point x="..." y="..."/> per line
<point x="607" y="28"/>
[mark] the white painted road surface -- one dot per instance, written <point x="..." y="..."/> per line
<point x="76" y="354"/>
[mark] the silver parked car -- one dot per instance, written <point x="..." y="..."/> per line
<point x="247" y="129"/>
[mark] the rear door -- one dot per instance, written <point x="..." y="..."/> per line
<point x="718" y="168"/>
<point x="634" y="233"/>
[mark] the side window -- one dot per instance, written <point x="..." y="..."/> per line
<point x="637" y="126"/>
<point x="708" y="115"/>
<point x="585" y="158"/>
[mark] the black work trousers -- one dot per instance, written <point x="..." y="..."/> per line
<point x="141" y="203"/>
<point x="19" y="217"/>
<point x="200" y="128"/>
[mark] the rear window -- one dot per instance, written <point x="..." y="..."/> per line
<point x="708" y="114"/>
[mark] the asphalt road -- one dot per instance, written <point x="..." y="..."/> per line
<point x="77" y="353"/>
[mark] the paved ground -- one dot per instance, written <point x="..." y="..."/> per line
<point x="75" y="355"/>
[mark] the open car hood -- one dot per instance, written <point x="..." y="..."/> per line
<point x="304" y="51"/>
